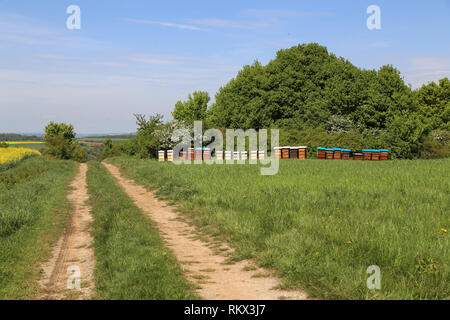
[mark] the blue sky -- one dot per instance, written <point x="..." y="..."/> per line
<point x="143" y="56"/>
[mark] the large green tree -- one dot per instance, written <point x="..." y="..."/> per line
<point x="194" y="108"/>
<point x="61" y="143"/>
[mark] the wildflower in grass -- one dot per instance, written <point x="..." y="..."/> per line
<point x="349" y="242"/>
<point x="444" y="230"/>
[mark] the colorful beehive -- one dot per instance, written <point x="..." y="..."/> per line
<point x="367" y="154"/>
<point x="183" y="155"/>
<point x="302" y="152"/>
<point x="198" y="153"/>
<point x="375" y="155"/>
<point x="384" y="154"/>
<point x="337" y="153"/>
<point x="169" y="155"/>
<point x="228" y="155"/>
<point x="261" y="154"/>
<point x="357" y="156"/>
<point x="191" y="153"/>
<point x="346" y="154"/>
<point x="206" y="154"/>
<point x="321" y="153"/>
<point x="329" y="154"/>
<point x="294" y="152"/>
<point x="254" y="155"/>
<point x="161" y="155"/>
<point x="219" y="155"/>
<point x="236" y="155"/>
<point x="285" y="152"/>
<point x="277" y="151"/>
<point x="244" y="155"/>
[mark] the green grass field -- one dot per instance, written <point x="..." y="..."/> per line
<point x="321" y="224"/>
<point x="132" y="261"/>
<point x="33" y="214"/>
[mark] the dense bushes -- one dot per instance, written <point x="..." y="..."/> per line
<point x="61" y="143"/>
<point x="307" y="92"/>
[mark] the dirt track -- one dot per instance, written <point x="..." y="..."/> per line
<point x="216" y="280"/>
<point x="73" y="250"/>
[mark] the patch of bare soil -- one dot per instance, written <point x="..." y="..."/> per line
<point x="203" y="264"/>
<point x="69" y="272"/>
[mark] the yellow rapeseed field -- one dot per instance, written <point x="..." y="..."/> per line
<point x="15" y="154"/>
<point x="23" y="142"/>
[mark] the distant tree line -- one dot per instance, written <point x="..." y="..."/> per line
<point x="315" y="99"/>
<point x="18" y="137"/>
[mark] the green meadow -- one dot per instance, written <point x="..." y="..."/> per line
<point x="320" y="224"/>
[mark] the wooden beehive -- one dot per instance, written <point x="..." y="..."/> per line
<point x="329" y="154"/>
<point x="321" y="153"/>
<point x="253" y="155"/>
<point x="294" y="152"/>
<point x="161" y="155"/>
<point x="191" y="153"/>
<point x="367" y="154"/>
<point x="219" y="155"/>
<point x="206" y="154"/>
<point x="277" y="151"/>
<point x="302" y="152"/>
<point x="346" y="154"/>
<point x="384" y="154"/>
<point x="244" y="155"/>
<point x="375" y="155"/>
<point x="236" y="155"/>
<point x="285" y="152"/>
<point x="357" y="156"/>
<point x="170" y="155"/>
<point x="228" y="155"/>
<point x="198" y="153"/>
<point x="183" y="155"/>
<point x="261" y="154"/>
<point x="337" y="153"/>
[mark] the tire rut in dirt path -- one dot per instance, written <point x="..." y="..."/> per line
<point x="216" y="280"/>
<point x="73" y="251"/>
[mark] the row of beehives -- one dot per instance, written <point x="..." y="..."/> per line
<point x="205" y="154"/>
<point x="344" y="154"/>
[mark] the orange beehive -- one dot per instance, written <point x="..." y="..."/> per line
<point x="321" y="153"/>
<point x="277" y="151"/>
<point x="183" y="155"/>
<point x="198" y="153"/>
<point x="384" y="154"/>
<point x="375" y="155"/>
<point x="329" y="154"/>
<point x="191" y="153"/>
<point x="357" y="156"/>
<point x="206" y="154"/>
<point x="285" y="152"/>
<point x="367" y="154"/>
<point x="345" y="154"/>
<point x="302" y="152"/>
<point x="337" y="153"/>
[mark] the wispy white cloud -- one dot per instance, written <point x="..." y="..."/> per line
<point x="280" y="13"/>
<point x="165" y="24"/>
<point x="225" y="23"/>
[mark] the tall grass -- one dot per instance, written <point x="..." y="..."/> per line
<point x="321" y="224"/>
<point x="132" y="262"/>
<point x="33" y="213"/>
